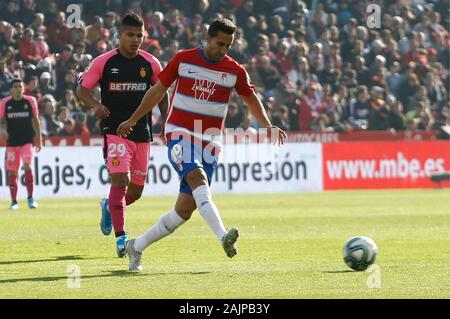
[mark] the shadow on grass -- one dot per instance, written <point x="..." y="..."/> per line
<point x="107" y="274"/>
<point x="59" y="258"/>
<point x="337" y="271"/>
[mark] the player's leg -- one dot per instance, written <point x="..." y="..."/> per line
<point x="138" y="172"/>
<point x="26" y="154"/>
<point x="134" y="192"/>
<point x="118" y="153"/>
<point x="117" y="207"/>
<point x="12" y="166"/>
<point x="199" y="180"/>
<point x="166" y="225"/>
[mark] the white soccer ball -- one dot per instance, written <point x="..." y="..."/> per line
<point x="360" y="252"/>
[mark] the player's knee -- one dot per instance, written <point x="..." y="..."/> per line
<point x="196" y="178"/>
<point x="13" y="173"/>
<point x="137" y="196"/>
<point x="120" y="179"/>
<point x="185" y="211"/>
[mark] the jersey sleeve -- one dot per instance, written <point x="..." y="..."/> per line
<point x="2" y="108"/>
<point x="90" y="77"/>
<point x="156" y="67"/>
<point x="170" y="72"/>
<point x="243" y="83"/>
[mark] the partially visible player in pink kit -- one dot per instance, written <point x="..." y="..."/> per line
<point x="19" y="114"/>
<point x="124" y="75"/>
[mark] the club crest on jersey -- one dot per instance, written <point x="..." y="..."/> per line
<point x="203" y="89"/>
<point x="224" y="77"/>
<point x="25" y="106"/>
<point x="114" y="71"/>
<point x="115" y="161"/>
<point x="10" y="156"/>
<point x="142" y="72"/>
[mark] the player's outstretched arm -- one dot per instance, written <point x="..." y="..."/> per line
<point x="256" y="108"/>
<point x="163" y="107"/>
<point x="151" y="98"/>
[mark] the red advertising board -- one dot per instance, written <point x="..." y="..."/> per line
<point x="378" y="165"/>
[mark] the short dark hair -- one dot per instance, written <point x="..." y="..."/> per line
<point x="132" y="20"/>
<point x="223" y="25"/>
<point x="14" y="81"/>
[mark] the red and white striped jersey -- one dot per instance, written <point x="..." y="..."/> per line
<point x="202" y="92"/>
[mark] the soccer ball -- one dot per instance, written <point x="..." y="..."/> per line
<point x="360" y="252"/>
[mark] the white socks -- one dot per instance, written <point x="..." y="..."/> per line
<point x="165" y="225"/>
<point x="171" y="221"/>
<point x="208" y="210"/>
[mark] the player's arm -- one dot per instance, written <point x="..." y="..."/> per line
<point x="3" y="129"/>
<point x="85" y="95"/>
<point x="37" y="129"/>
<point x="86" y="82"/>
<point x="163" y="106"/>
<point x="256" y="108"/>
<point x="151" y="98"/>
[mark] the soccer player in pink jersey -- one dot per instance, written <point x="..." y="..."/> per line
<point x="20" y="114"/>
<point x="205" y="78"/>
<point x="124" y="75"/>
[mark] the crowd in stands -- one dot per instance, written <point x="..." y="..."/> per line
<point x="315" y="64"/>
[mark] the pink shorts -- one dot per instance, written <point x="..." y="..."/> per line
<point x="15" y="153"/>
<point x="123" y="156"/>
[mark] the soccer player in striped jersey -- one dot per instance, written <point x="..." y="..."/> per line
<point x="204" y="79"/>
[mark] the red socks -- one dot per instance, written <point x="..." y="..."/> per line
<point x="12" y="181"/>
<point x="117" y="206"/>
<point x="29" y="182"/>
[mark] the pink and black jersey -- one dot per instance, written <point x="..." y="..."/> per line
<point x="123" y="83"/>
<point x="202" y="92"/>
<point x="19" y="119"/>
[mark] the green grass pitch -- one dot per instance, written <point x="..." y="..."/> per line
<point x="290" y="247"/>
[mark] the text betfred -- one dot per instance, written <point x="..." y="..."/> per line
<point x="127" y="87"/>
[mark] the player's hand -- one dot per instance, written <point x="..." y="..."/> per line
<point x="4" y="134"/>
<point x="163" y="136"/>
<point x="125" y="128"/>
<point x="102" y="111"/>
<point x="38" y="147"/>
<point x="276" y="135"/>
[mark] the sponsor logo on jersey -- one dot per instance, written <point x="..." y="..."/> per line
<point x="15" y="115"/>
<point x="203" y="89"/>
<point x="142" y="72"/>
<point x="127" y="87"/>
<point x="114" y="71"/>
